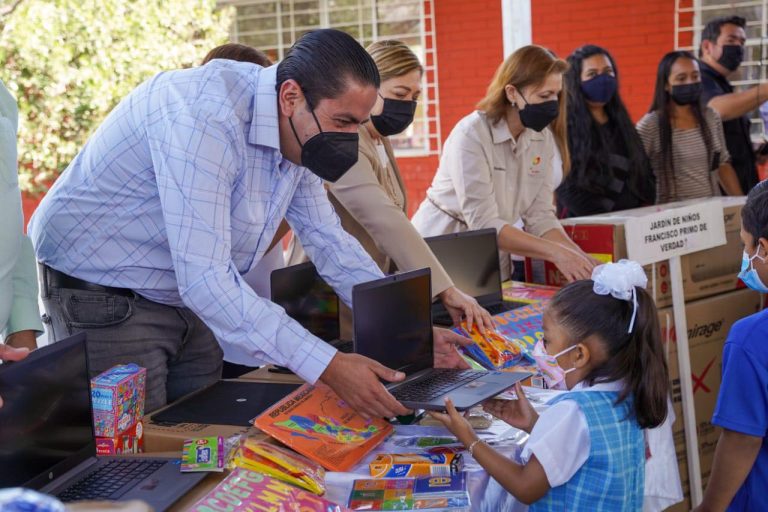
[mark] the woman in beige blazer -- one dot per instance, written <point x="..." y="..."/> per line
<point x="497" y="166"/>
<point x="370" y="198"/>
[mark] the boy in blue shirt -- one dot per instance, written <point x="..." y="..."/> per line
<point x="739" y="479"/>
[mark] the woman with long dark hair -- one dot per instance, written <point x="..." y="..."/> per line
<point x="684" y="138"/>
<point x="609" y="169"/>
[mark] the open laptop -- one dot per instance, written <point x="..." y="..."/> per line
<point x="393" y="325"/>
<point x="47" y="441"/>
<point x="309" y="300"/>
<point x="471" y="259"/>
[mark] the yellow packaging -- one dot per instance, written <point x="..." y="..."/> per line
<point x="280" y="463"/>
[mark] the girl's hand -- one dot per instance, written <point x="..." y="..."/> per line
<point x="518" y="413"/>
<point x="456" y="423"/>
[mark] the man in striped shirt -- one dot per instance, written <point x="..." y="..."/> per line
<point x="144" y="239"/>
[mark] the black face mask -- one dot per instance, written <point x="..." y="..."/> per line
<point x="600" y="89"/>
<point x="328" y="154"/>
<point x="395" y="117"/>
<point x="539" y="115"/>
<point x="686" y="94"/>
<point x="732" y="57"/>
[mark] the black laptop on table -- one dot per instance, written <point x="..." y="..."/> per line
<point x="47" y="441"/>
<point x="393" y="325"/>
<point x="471" y="259"/>
<point x="309" y="300"/>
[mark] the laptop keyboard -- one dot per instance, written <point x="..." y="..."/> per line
<point x="108" y="479"/>
<point x="436" y="384"/>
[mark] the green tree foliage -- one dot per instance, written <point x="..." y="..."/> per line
<point x="69" y="62"/>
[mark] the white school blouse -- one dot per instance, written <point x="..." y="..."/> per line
<point x="560" y="439"/>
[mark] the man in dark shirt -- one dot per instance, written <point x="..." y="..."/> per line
<point x="721" y="53"/>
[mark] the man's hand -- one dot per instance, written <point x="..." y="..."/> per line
<point x="22" y="339"/>
<point x="446" y="353"/>
<point x="12" y="354"/>
<point x="355" y="379"/>
<point x="460" y="306"/>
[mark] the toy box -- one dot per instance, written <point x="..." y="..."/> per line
<point x="415" y="464"/>
<point x="117" y="396"/>
<point x="130" y="441"/>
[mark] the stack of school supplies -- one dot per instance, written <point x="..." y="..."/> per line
<point x="318" y="424"/>
<point x="280" y="463"/>
<point x="437" y="492"/>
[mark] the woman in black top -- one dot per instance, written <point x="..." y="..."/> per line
<point x="609" y="169"/>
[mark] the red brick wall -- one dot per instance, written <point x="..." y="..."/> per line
<point x="636" y="33"/>
<point x="469" y="49"/>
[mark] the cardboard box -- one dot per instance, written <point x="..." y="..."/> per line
<point x="160" y="437"/>
<point x="709" y="322"/>
<point x="118" y="396"/>
<point x="128" y="442"/>
<point x="264" y="375"/>
<point x="705" y="273"/>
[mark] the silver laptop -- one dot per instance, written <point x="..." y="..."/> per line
<point x="393" y="325"/>
<point x="471" y="259"/>
<point x="47" y="441"/>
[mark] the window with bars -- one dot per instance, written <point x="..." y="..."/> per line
<point x="692" y="15"/>
<point x="273" y="25"/>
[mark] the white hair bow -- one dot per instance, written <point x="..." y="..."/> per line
<point x="620" y="280"/>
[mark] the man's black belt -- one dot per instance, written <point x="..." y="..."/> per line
<point x="55" y="279"/>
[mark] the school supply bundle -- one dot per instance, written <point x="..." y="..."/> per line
<point x="437" y="492"/>
<point x="387" y="465"/>
<point x="203" y="454"/>
<point x="493" y="350"/>
<point x="280" y="463"/>
<point x="318" y="424"/>
<point x="244" y="491"/>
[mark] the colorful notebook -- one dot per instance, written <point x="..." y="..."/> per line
<point x="245" y="491"/>
<point x="315" y="422"/>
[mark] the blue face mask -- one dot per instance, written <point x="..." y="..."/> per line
<point x="748" y="273"/>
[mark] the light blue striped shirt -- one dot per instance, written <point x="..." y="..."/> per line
<point x="179" y="193"/>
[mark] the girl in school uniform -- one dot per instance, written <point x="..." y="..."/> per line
<point x="586" y="451"/>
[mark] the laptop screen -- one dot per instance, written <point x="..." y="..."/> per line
<point x="392" y="320"/>
<point x="306" y="298"/>
<point x="472" y="261"/>
<point x="46" y="414"/>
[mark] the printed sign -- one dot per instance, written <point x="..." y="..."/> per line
<point x="675" y="232"/>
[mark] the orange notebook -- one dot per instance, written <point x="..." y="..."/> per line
<point x="315" y="422"/>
